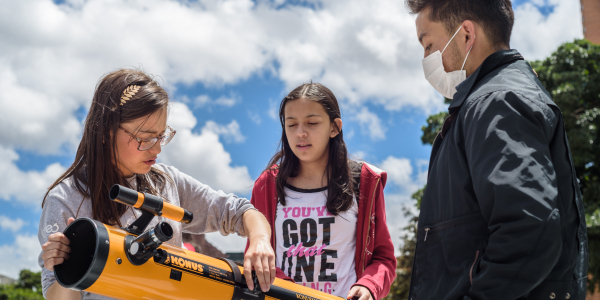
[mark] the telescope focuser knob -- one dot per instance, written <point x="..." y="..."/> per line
<point x="135" y="248"/>
<point x="144" y="245"/>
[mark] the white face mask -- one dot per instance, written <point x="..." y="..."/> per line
<point x="443" y="82"/>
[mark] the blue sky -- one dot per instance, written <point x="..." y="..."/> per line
<point x="227" y="78"/>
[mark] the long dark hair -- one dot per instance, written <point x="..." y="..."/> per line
<point x="94" y="170"/>
<point x="341" y="187"/>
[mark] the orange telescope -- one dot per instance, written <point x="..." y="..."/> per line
<point x="134" y="263"/>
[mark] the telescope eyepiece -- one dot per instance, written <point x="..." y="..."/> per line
<point x="124" y="195"/>
<point x="163" y="231"/>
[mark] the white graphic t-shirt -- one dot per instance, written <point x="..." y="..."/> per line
<point x="313" y="247"/>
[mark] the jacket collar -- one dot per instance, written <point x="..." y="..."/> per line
<point x="491" y="63"/>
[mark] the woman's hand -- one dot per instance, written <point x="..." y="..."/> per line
<point x="360" y="292"/>
<point x="56" y="249"/>
<point x="260" y="255"/>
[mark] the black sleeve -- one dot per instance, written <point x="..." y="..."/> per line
<point x="507" y="141"/>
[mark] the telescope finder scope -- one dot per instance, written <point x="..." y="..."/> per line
<point x="149" y="203"/>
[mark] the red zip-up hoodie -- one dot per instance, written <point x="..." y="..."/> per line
<point x="374" y="258"/>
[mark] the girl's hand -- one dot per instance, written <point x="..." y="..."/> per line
<point x="260" y="255"/>
<point x="261" y="258"/>
<point x="360" y="292"/>
<point x="56" y="249"/>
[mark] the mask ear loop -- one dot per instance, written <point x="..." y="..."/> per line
<point x="452" y="39"/>
<point x="463" y="66"/>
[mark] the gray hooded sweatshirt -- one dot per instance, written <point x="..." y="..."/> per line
<point x="213" y="211"/>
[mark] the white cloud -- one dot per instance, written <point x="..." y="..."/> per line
<point x="33" y="119"/>
<point x="402" y="175"/>
<point x="255" y="117"/>
<point x="360" y="155"/>
<point x="28" y="187"/>
<point x="536" y="36"/>
<point x="540" y="2"/>
<point x="230" y="132"/>
<point x="362" y="50"/>
<point x="273" y="112"/>
<point x="400" y="172"/>
<point x="52" y="55"/>
<point x="202" y="156"/>
<point x="205" y="100"/>
<point x="370" y="124"/>
<point x="13" y="225"/>
<point x="380" y="42"/>
<point x="365" y="51"/>
<point x="22" y="254"/>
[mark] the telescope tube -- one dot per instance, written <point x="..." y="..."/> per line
<point x="98" y="264"/>
<point x="149" y="203"/>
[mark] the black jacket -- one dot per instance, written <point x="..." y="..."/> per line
<point x="502" y="215"/>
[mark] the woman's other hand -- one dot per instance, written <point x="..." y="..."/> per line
<point x="360" y="293"/>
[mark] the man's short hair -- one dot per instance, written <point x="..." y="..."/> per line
<point x="495" y="16"/>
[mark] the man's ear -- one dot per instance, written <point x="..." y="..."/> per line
<point x="469" y="39"/>
<point x="336" y="127"/>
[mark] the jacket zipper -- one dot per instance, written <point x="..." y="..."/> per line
<point x="449" y="224"/>
<point x="369" y="226"/>
<point x="472" y="266"/>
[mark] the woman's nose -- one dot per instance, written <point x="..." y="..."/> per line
<point x="301" y="131"/>
<point x="156" y="149"/>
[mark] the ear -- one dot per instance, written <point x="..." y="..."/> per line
<point x="335" y="130"/>
<point x="469" y="39"/>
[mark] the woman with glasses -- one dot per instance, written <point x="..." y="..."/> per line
<point x="123" y="134"/>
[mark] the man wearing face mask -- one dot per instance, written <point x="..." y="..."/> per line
<point x="502" y="215"/>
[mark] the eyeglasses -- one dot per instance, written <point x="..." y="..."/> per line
<point x="148" y="143"/>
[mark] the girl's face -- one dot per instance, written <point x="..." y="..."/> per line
<point x="308" y="130"/>
<point x="130" y="160"/>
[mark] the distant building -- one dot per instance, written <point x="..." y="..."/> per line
<point x="590" y="16"/>
<point x="6" y="280"/>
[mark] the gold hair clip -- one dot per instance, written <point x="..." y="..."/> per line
<point x="128" y="93"/>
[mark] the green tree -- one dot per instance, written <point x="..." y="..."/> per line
<point x="27" y="287"/>
<point x="572" y="76"/>
<point x="399" y="289"/>
<point x="434" y="126"/>
<point x="30" y="280"/>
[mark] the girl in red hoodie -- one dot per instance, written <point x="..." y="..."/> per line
<point x="327" y="212"/>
